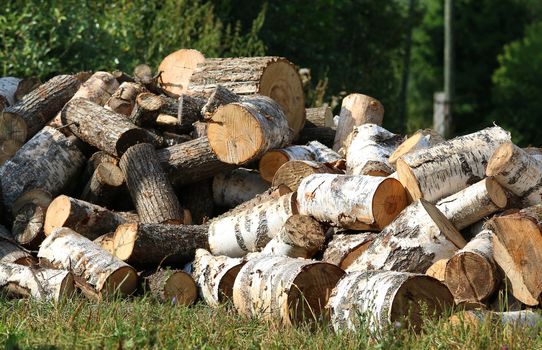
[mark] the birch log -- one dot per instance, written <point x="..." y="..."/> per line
<point x="66" y="249"/>
<point x="421" y="139"/>
<point x="534" y="152"/>
<point x="291" y="173"/>
<point x="8" y="88"/>
<point x="176" y="69"/>
<point x="524" y="319"/>
<point x="382" y="298"/>
<point x="236" y="187"/>
<point x="353" y="202"/>
<point x="416" y="239"/>
<point x="172" y="286"/>
<point x="11" y="253"/>
<point x="285" y="289"/>
<point x="271" y="194"/>
<point x="122" y="101"/>
<point x="105" y="241"/>
<point x="342" y="250"/>
<point x="450" y="166"/>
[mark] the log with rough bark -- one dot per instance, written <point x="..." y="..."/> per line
<point x="236" y="187"/>
<point x="381" y="298"/>
<point x="416" y="239"/>
<point x="274" y="77"/>
<point x="190" y="110"/>
<point x="246" y="231"/>
<point x="17" y="281"/>
<point x="421" y="139"/>
<point x="534" y="152"/>
<point x="471" y="274"/>
<point x="197" y="199"/>
<point x="176" y="69"/>
<point x="215" y="276"/>
<point x="219" y="97"/>
<point x="172" y="286"/>
<point x="105" y="241"/>
<point x="525" y="319"/>
<point x="291" y="173"/>
<point x="122" y="101"/>
<point x="10" y="252"/>
<point x="102" y="128"/>
<point x="13" y="89"/>
<point x="353" y="202"/>
<point x="200" y="130"/>
<point x="146" y="109"/>
<point x="356" y="109"/>
<point x="66" y="249"/>
<point x="319" y="117"/>
<point x="49" y="161"/>
<point x="95" y="160"/>
<point x="243" y="131"/>
<point x="151" y="245"/>
<point x="285" y="289"/>
<point x="300" y="237"/>
<point x="517" y="171"/>
<point x="29" y="217"/>
<point x="343" y="249"/>
<point x="472" y="204"/>
<point x="367" y="150"/>
<point x="438" y="270"/>
<point x="28" y="116"/>
<point x="151" y="192"/>
<point x="324" y="135"/>
<point x="122" y="77"/>
<point x="450" y="166"/>
<point x="104" y="185"/>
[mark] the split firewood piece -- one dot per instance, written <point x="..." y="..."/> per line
<point x="172" y="286"/>
<point x="274" y="77"/>
<point x="300" y="237"/>
<point x="324" y="135"/>
<point x="13" y="89"/>
<point x="49" y="161"/>
<point x="151" y="245"/>
<point x="343" y="249"/>
<point x="28" y="116"/>
<point x="191" y="162"/>
<point x="353" y="202"/>
<point x="250" y="230"/>
<point x="471" y="274"/>
<point x="176" y="69"/>
<point x="285" y="289"/>
<point x="198" y="200"/>
<point x="219" y="97"/>
<point x="517" y="171"/>
<point x="102" y="128"/>
<point x="382" y="298"/>
<point x="356" y="110"/>
<point x="236" y="187"/>
<point x="105" y="241"/>
<point x="66" y="249"/>
<point x="450" y="166"/>
<point x="190" y="107"/>
<point x="104" y="185"/>
<point x="421" y="139"/>
<point x="151" y="192"/>
<point x="291" y="173"/>
<point x="367" y="150"/>
<point x="472" y="204"/>
<point x="319" y="117"/>
<point x="10" y="252"/>
<point x="243" y="131"/>
<point x="29" y="218"/>
<point x="87" y="219"/>
<point x="438" y="270"/>
<point x="146" y="109"/>
<point x="517" y="249"/>
<point x="122" y="101"/>
<point x="477" y="318"/>
<point x="17" y="281"/>
<point x="534" y="152"/>
<point x="416" y="239"/>
<point x="215" y="276"/>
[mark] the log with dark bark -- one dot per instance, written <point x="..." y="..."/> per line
<point x="197" y="198"/>
<point x="324" y="135"/>
<point x="236" y="187"/>
<point x="123" y="100"/>
<point x="190" y="110"/>
<point x="219" y="97"/>
<point x="172" y="286"/>
<point x="104" y="185"/>
<point x="146" y="109"/>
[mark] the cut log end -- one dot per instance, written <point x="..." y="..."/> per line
<point x="388" y="201"/>
<point x="124" y="241"/>
<point x="470" y="277"/>
<point x="354" y="254"/>
<point x="130" y="138"/>
<point x="409" y="181"/>
<point x="180" y="288"/>
<point x="27" y="227"/>
<point x="123" y="281"/>
<point x="444" y="225"/>
<point x="177" y="68"/>
<point x="13" y="127"/>
<point x="405" y="147"/>
<point x="269" y="164"/>
<point x="225" y="286"/>
<point x="496" y="193"/>
<point x="110" y="174"/>
<point x="8" y="148"/>
<point x="57" y="214"/>
<point x="500" y="159"/>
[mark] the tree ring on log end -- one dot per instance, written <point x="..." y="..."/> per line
<point x="496" y="193"/>
<point x="388" y="201"/>
<point x="500" y="159"/>
<point x="181" y="287"/>
<point x="176" y="70"/>
<point x="123" y="280"/>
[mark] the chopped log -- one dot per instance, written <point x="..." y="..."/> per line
<point x="273" y="193"/>
<point x="291" y="173"/>
<point x="524" y="319"/>
<point x="215" y="276"/>
<point x="17" y="281"/>
<point x="151" y="245"/>
<point x="190" y="162"/>
<point x="250" y="230"/>
<point x="471" y="274"/>
<point x="367" y="150"/>
<point x="219" y="97"/>
<point x="95" y="160"/>
<point x="200" y="130"/>
<point x="472" y="204"/>
<point x="353" y="202"/>
<point x="170" y="107"/>
<point x="28" y="116"/>
<point x="236" y="187"/>
<point x="190" y="110"/>
<point x="172" y="286"/>
<point x="285" y="289"/>
<point x="49" y="161"/>
<point x="344" y="249"/>
<point x="104" y="185"/>
<point x="122" y="77"/>
<point x="300" y="237"/>
<point x="356" y="109"/>
<point x="10" y="252"/>
<point x="382" y="298"/>
<point x="449" y="166"/>
<point x="29" y="217"/>
<point x="319" y="117"/>
<point x="87" y="219"/>
<point x="146" y="109"/>
<point x="198" y="200"/>
<point x="324" y="135"/>
<point x="243" y="131"/>
<point x="438" y="270"/>
<point x="517" y="171"/>
<point x="151" y="192"/>
<point x="421" y="139"/>
<point x="274" y="77"/>
<point x="105" y="241"/>
<point x="416" y="239"/>
<point x="66" y="249"/>
<point x="122" y="101"/>
<point x="176" y="69"/>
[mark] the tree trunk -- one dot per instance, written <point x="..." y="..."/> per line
<point x="146" y="109"/>
<point x="237" y="187"/>
<point x="104" y="185"/>
<point x="324" y="135"/>
<point x="285" y="289"/>
<point x="352" y="202"/>
<point x="176" y="69"/>
<point x="416" y="239"/>
<point x="172" y="286"/>
<point x="421" y="139"/>
<point x="450" y="166"/>
<point x="319" y="117"/>
<point x="291" y="173"/>
<point x="11" y="253"/>
<point x="122" y="101"/>
<point x="190" y="110"/>
<point x="66" y="249"/>
<point x="219" y="97"/>
<point x="343" y="250"/>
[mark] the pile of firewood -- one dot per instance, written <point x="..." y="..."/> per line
<point x="210" y="179"/>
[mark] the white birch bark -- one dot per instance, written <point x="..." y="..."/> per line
<point x="477" y="318"/>
<point x="10" y="252"/>
<point x="236" y="187"/>
<point x="342" y="250"/>
<point x="421" y="139"/>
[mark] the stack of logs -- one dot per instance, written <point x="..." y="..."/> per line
<point x="210" y="179"/>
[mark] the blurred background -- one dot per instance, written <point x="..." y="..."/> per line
<point x="392" y="50"/>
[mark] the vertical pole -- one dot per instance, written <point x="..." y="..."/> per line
<point x="406" y="68"/>
<point x="448" y="64"/>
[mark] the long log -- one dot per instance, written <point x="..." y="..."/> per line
<point x="172" y="286"/>
<point x="421" y="139"/>
<point x="343" y="249"/>
<point x="236" y="187"/>
<point x="524" y="319"/>
<point x="291" y="173"/>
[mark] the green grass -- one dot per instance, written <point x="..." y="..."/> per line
<point x="143" y="323"/>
